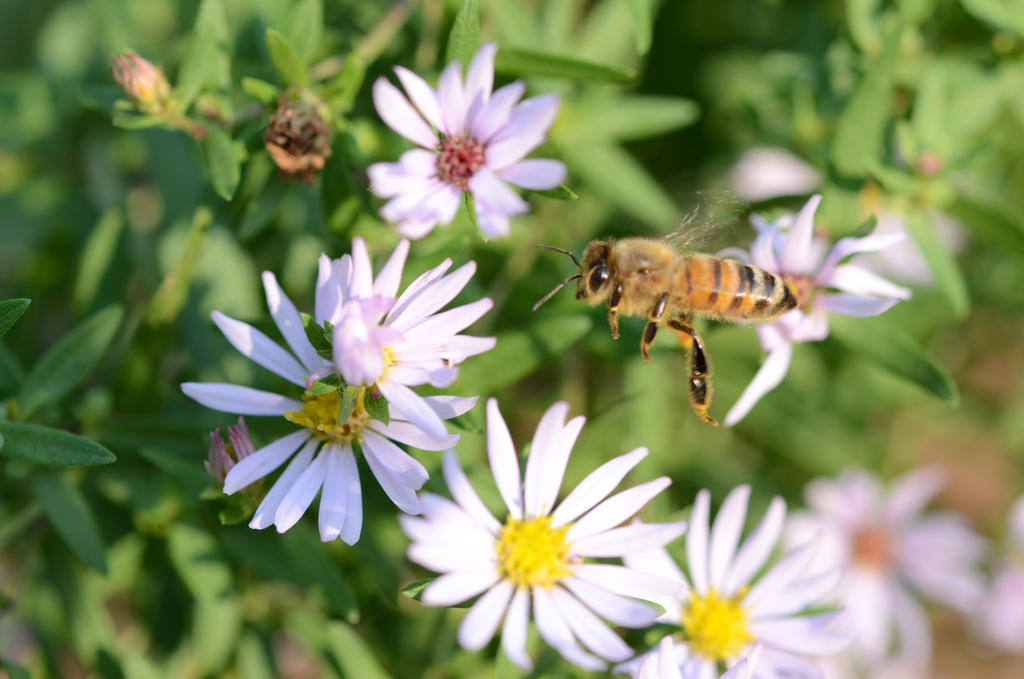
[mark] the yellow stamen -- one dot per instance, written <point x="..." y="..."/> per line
<point x="320" y="413"/>
<point x="533" y="553"/>
<point x="716" y="627"/>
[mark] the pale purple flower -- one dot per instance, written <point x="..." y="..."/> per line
<point x="822" y="284"/>
<point x="728" y="603"/>
<point x="890" y="552"/>
<point x="535" y="557"/>
<point x="766" y="173"/>
<point x="1000" y="617"/>
<point x="321" y="451"/>
<point x="473" y="141"/>
<point x="220" y="460"/>
<point x="903" y="261"/>
<point x="667" y="660"/>
<point x="393" y="343"/>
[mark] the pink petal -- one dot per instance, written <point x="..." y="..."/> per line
<point x="856" y="280"/>
<point x="422" y="95"/>
<point x="856" y="305"/>
<point x="526" y="129"/>
<point x="767" y="378"/>
<point x="797" y="250"/>
<point x="494" y="113"/>
<point x="395" y="110"/>
<point x="453" y="99"/>
<point x="480" y="75"/>
<point x="535" y="173"/>
<point x="493" y="195"/>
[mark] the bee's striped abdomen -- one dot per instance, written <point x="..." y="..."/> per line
<point x="728" y="288"/>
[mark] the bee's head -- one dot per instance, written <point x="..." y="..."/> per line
<point x="592" y="286"/>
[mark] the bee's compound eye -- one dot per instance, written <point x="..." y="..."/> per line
<point x="598" y="277"/>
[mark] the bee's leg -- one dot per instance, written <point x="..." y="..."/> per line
<point x="613" y="310"/>
<point x="652" y="325"/>
<point x="700" y="374"/>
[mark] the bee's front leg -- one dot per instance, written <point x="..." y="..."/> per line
<point x="652" y="325"/>
<point x="699" y="385"/>
<point x="613" y="310"/>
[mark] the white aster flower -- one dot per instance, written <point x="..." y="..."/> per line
<point x="1000" y="618"/>
<point x="724" y="610"/>
<point x="821" y="283"/>
<point x="665" y="663"/>
<point x="766" y="173"/>
<point x="535" y="557"/>
<point x="325" y="460"/>
<point x="889" y="552"/>
<point x="473" y="140"/>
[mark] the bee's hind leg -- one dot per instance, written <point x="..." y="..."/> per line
<point x="699" y="385"/>
<point x="613" y="310"/>
<point x="652" y="326"/>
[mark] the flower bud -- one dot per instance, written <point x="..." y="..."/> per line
<point x="223" y="457"/>
<point x="143" y="82"/>
<point x="298" y="139"/>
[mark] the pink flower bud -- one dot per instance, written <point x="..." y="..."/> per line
<point x="143" y="82"/>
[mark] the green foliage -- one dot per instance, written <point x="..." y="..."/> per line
<point x="515" y="61"/>
<point x="70" y="516"/>
<point x="10" y="311"/>
<point x="464" y="38"/>
<point x="286" y="59"/>
<point x="44" y="445"/>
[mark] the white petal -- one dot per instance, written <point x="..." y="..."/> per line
<point x="301" y="494"/>
<point x="362" y="270"/>
<point x="260" y="349"/>
<point x="416" y="229"/>
<point x="448" y="407"/>
<point x="546" y="458"/>
<point x="422" y="95"/>
<point x="551" y="481"/>
<point x="232" y="398"/>
<point x="480" y="74"/>
<point x="513" y="632"/>
<point x="845" y="247"/>
<point x="431" y="298"/>
<point x="612" y="606"/>
<point x="288" y="321"/>
<point x="757" y="547"/>
<point x="596" y="487"/>
<point x="791" y="566"/>
<point x="807" y="635"/>
<point x="395" y="110"/>
<point x="453" y="99"/>
<point x="616" y="509"/>
<point x="504" y="462"/>
<point x="353" y="497"/>
<point x="798" y="596"/>
<point x="264" y="515"/>
<point x="856" y="305"/>
<point x="412" y="407"/>
<point x="464" y="493"/>
<point x="402" y="466"/>
<point x="265" y="460"/>
<point x="911" y="493"/>
<point x="589" y="629"/>
<point x="411" y="435"/>
<point x="656" y="562"/>
<point x="725" y="534"/>
<point x="452" y="589"/>
<point x="399" y="490"/>
<point x="553" y="629"/>
<point x="390" y="276"/>
<point x="492" y="224"/>
<point x="635" y="537"/>
<point x="534" y="173"/>
<point x="526" y="128"/>
<point x="492" y="195"/>
<point x="768" y="376"/>
<point x="424" y="280"/>
<point x="914" y="628"/>
<point x="797" y="250"/>
<point x="495" y="112"/>
<point x="697" y="542"/>
<point x="480" y="623"/>
<point x="448" y="322"/>
<point x="859" y="281"/>
<point x="331" y="519"/>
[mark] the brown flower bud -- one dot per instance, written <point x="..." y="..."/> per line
<point x="143" y="82"/>
<point x="298" y="139"/>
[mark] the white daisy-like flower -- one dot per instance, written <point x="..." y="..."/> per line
<point x="724" y="610"/>
<point x="322" y="449"/>
<point x="821" y="283"/>
<point x="889" y="552"/>
<point x="534" y="558"/>
<point x="1000" y="617"/>
<point x="767" y="172"/>
<point x="472" y="141"/>
<point x="664" y="663"/>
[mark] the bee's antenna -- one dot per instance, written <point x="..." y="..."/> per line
<point x="564" y="252"/>
<point x="559" y="286"/>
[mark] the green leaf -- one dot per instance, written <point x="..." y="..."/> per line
<point x="470" y="209"/>
<point x="326" y="385"/>
<point x="96" y="257"/>
<point x="1000" y="14"/>
<point x="196" y="64"/>
<point x="527" y="62"/>
<point x="10" y="311"/>
<point x="354" y="655"/>
<point x="129" y="121"/>
<point x="261" y="90"/>
<point x="68" y="361"/>
<point x="996" y="225"/>
<point x="317" y="335"/>
<point x="187" y="470"/>
<point x="260" y="210"/>
<point x="562" y="192"/>
<point x="464" y="38"/>
<point x="889" y="347"/>
<point x="286" y="60"/>
<point x="69" y="514"/>
<point x="348" y="399"/>
<point x="45" y="445"/>
<point x="942" y="263"/>
<point x="414" y="590"/>
<point x="859" y="139"/>
<point x="642" y="14"/>
<point x="519" y="352"/>
<point x="626" y="118"/>
<point x="311" y="566"/>
<point x="306" y="26"/>
<point x="377" y="406"/>
<point x="344" y="87"/>
<point x="15" y="671"/>
<point x="223" y="161"/>
<point x="169" y="299"/>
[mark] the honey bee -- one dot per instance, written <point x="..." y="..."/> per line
<point x="648" y="278"/>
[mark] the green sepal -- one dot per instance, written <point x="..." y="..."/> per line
<point x="348" y="399"/>
<point x="326" y="385"/>
<point x="319" y="336"/>
<point x="561" y="192"/>
<point x="377" y="406"/>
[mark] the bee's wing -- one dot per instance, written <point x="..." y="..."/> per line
<point x="711" y="221"/>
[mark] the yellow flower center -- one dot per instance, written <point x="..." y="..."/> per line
<point x="320" y="412"/>
<point x="716" y="627"/>
<point x="533" y="553"/>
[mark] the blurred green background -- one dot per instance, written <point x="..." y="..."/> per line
<point x="910" y="108"/>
